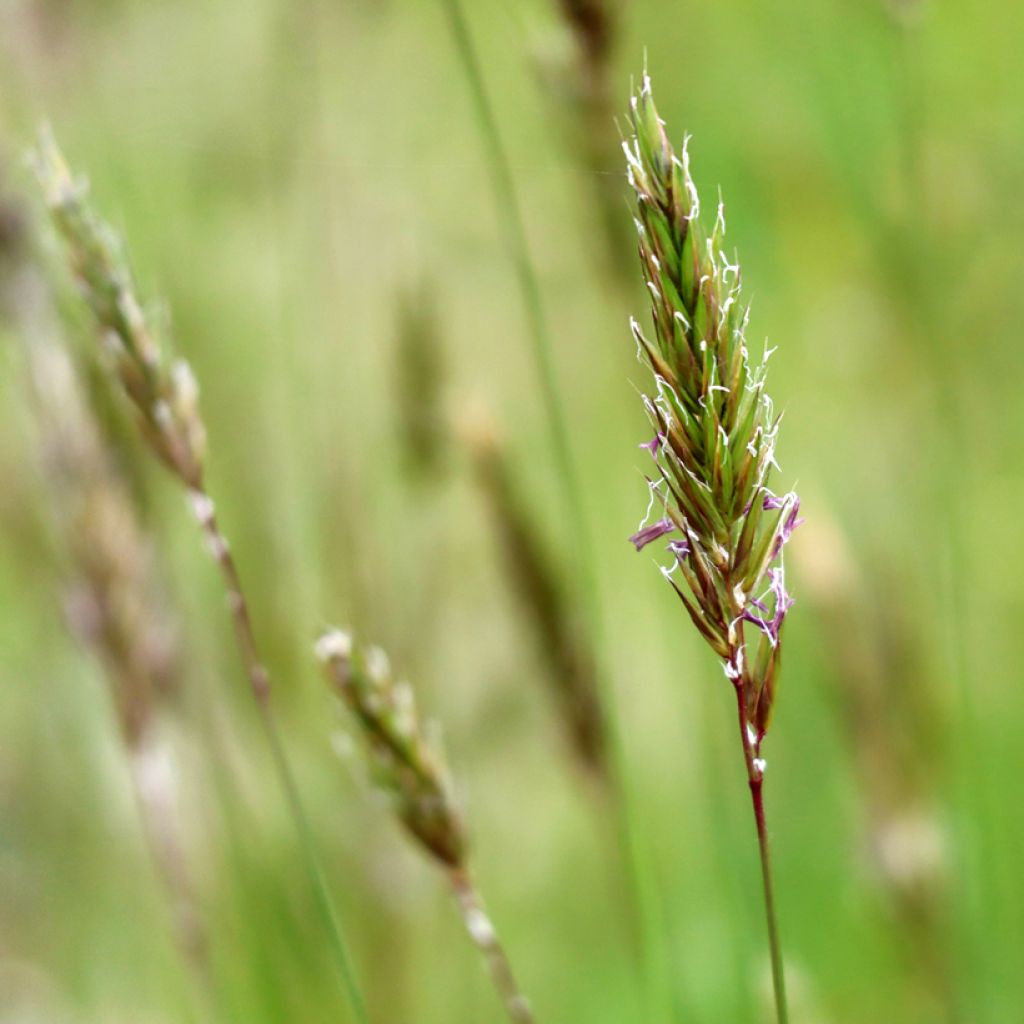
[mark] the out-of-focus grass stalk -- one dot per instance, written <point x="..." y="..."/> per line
<point x="642" y="883"/>
<point x="535" y="575"/>
<point x="514" y="234"/>
<point x="581" y="84"/>
<point x="413" y="770"/>
<point x="164" y="397"/>
<point x="116" y="605"/>
<point x="534" y="579"/>
<point x="891" y="724"/>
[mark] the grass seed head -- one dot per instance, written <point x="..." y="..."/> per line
<point x="714" y="425"/>
<point x="593" y="25"/>
<point x="403" y="761"/>
<point x="162" y="390"/>
<point x="114" y="601"/>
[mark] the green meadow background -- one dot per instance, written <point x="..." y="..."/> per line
<point x="285" y="173"/>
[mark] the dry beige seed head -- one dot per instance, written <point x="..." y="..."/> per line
<point x="163" y="394"/>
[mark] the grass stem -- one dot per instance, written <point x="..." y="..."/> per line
<point x="755" y="778"/>
<point x="485" y="938"/>
<point x="259" y="683"/>
<point x="643" y="888"/>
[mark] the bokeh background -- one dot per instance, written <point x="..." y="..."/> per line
<point x="304" y="189"/>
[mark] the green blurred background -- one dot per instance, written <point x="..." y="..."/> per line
<point x="286" y="175"/>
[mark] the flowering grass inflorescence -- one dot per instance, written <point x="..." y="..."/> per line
<point x="115" y="599"/>
<point x="713" y="450"/>
<point x="715" y="427"/>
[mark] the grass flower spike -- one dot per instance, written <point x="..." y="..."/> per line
<point x="410" y="766"/>
<point x="713" y="447"/>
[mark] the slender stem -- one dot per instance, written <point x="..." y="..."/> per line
<point x="259" y="683"/>
<point x="485" y="938"/>
<point x="778" y="972"/>
<point x="755" y="779"/>
<point x="643" y="886"/>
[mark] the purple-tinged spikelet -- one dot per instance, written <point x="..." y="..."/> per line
<point x="714" y="425"/>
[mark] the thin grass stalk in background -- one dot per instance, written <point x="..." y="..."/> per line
<point x="116" y="605"/>
<point x="413" y="770"/>
<point x="643" y="886"/>
<point x="713" y="450"/>
<point x="164" y="397"/>
<point x="514" y="234"/>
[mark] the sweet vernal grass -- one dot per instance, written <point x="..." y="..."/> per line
<point x="712" y="451"/>
<point x="163" y="395"/>
<point x="410" y="767"/>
